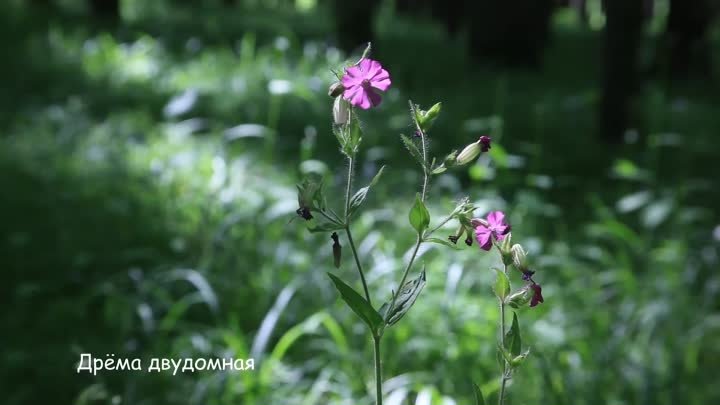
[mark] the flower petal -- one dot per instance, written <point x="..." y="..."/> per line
<point x="366" y="66"/>
<point x="483" y="236"/>
<point x="375" y="98"/>
<point x="496" y="218"/>
<point x="380" y="79"/>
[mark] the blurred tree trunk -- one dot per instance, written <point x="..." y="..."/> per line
<point x="105" y="9"/>
<point x="623" y="29"/>
<point x="354" y="22"/>
<point x="511" y="32"/>
<point x="686" y="36"/>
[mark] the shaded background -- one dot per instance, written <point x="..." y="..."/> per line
<point x="149" y="151"/>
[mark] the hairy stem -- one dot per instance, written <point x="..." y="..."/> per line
<point x="503" y="378"/>
<point x="378" y="372"/>
<point x="348" y="191"/>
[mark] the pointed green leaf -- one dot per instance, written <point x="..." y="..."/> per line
<point x="443" y="242"/>
<point x="361" y="194"/>
<point x="414" y="150"/>
<point x="406" y="298"/>
<point x="419" y="215"/>
<point x="479" y="400"/>
<point x="502" y="285"/>
<point x="513" y="341"/>
<point x="358" y="304"/>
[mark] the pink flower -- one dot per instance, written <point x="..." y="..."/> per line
<point x="361" y="82"/>
<point x="496" y="228"/>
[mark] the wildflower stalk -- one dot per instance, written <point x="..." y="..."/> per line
<point x="504" y="377"/>
<point x="378" y="371"/>
<point x="348" y="191"/>
<point x="426" y="179"/>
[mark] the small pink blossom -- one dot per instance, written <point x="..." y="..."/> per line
<point x="496" y="228"/>
<point x="362" y="81"/>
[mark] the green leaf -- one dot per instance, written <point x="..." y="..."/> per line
<point x="479" y="400"/>
<point x="513" y="341"/>
<point x="326" y="227"/>
<point x="414" y="150"/>
<point x="502" y="285"/>
<point x="419" y="215"/>
<point x="443" y="242"/>
<point x="358" y="304"/>
<point x="406" y="298"/>
<point x="358" y="198"/>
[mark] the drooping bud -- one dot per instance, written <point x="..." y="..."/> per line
<point x="337" y="250"/>
<point x="537" y="297"/>
<point x="336" y="89"/>
<point x="341" y="111"/>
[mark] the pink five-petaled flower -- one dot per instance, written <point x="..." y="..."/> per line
<point x="496" y="228"/>
<point x="361" y="82"/>
<point x="537" y="295"/>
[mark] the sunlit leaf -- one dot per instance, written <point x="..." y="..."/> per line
<point x="358" y="304"/>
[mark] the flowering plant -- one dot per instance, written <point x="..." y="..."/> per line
<point x="359" y="87"/>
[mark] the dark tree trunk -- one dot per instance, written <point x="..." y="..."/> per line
<point x="620" y="77"/>
<point x="354" y="22"/>
<point x="510" y="32"/>
<point x="686" y="36"/>
<point x="105" y="9"/>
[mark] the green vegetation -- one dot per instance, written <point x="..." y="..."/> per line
<point x="148" y="175"/>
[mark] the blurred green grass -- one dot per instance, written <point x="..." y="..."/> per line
<point x="148" y="176"/>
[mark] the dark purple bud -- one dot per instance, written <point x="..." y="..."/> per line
<point x="537" y="295"/>
<point x="337" y="250"/>
<point x="485" y="143"/>
<point x="527" y="274"/>
<point x="304" y="212"/>
<point x="417" y="134"/>
<point x="468" y="240"/>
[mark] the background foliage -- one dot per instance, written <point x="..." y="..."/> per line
<point x="148" y="173"/>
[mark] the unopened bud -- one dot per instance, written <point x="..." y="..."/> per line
<point x="341" y="111"/>
<point x="485" y="143"/>
<point x="519" y="257"/>
<point x="337" y="250"/>
<point x="426" y="118"/>
<point x="336" y="89"/>
<point x="520" y="298"/>
<point x="469" y="154"/>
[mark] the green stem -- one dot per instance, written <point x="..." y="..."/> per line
<point x="348" y="190"/>
<point x="503" y="378"/>
<point x="357" y="262"/>
<point x="405" y="274"/>
<point x="378" y="372"/>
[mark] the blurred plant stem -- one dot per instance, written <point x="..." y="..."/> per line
<point x="503" y="378"/>
<point x="378" y="371"/>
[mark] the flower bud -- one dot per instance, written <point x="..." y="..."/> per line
<point x="336" y="89"/>
<point x="519" y="257"/>
<point x="520" y="298"/>
<point x="469" y="154"/>
<point x="341" y="112"/>
<point x="337" y="250"/>
<point x="426" y="118"/>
